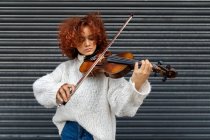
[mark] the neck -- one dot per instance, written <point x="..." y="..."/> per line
<point x="92" y="56"/>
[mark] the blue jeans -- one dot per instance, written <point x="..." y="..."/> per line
<point x="73" y="131"/>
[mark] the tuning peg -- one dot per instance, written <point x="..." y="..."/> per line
<point x="164" y="79"/>
<point x="160" y="62"/>
<point x="168" y="67"/>
<point x="155" y="74"/>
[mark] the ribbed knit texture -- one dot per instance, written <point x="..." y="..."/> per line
<point x="95" y="104"/>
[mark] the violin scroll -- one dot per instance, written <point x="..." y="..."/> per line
<point x="165" y="72"/>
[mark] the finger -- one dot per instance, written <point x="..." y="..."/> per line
<point x="73" y="88"/>
<point x="67" y="91"/>
<point x="151" y="66"/>
<point x="148" y="65"/>
<point x="63" y="94"/>
<point x="136" y="67"/>
<point x="142" y="68"/>
<point x="59" y="99"/>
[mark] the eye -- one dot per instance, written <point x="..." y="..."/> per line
<point x="81" y="39"/>
<point x="92" y="38"/>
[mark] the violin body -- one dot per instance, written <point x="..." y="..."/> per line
<point x="108" y="67"/>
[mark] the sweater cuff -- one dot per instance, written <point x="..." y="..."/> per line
<point x="49" y="98"/>
<point x="145" y="89"/>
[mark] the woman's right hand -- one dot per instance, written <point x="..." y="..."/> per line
<point x="64" y="93"/>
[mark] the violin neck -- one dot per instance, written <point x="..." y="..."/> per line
<point x="130" y="62"/>
<point x="121" y="60"/>
<point x="166" y="72"/>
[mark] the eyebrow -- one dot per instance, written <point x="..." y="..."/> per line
<point x="88" y="36"/>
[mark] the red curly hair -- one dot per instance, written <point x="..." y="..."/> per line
<point x="70" y="33"/>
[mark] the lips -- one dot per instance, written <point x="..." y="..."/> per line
<point x="88" y="49"/>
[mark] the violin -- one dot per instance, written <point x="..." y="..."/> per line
<point x="117" y="66"/>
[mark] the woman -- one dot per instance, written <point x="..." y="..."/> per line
<point x="89" y="114"/>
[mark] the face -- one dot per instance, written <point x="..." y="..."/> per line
<point x="87" y="42"/>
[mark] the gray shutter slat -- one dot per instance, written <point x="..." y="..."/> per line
<point x="176" y="32"/>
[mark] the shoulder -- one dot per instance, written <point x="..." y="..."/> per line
<point x="64" y="65"/>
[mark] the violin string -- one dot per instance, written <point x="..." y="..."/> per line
<point x="118" y="59"/>
<point x="155" y="68"/>
<point x="121" y="60"/>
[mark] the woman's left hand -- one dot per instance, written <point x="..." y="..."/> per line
<point x="140" y="75"/>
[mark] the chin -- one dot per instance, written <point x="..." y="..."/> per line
<point x="88" y="53"/>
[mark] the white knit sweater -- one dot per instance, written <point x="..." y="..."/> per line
<point x="94" y="104"/>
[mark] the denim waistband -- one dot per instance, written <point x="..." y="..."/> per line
<point x="73" y="131"/>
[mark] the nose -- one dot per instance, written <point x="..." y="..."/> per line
<point x="87" y="42"/>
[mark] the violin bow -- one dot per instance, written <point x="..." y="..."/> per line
<point x="101" y="56"/>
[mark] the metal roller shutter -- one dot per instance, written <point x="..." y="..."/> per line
<point x="176" y="32"/>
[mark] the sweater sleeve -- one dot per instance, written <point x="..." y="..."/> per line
<point x="124" y="99"/>
<point x="46" y="87"/>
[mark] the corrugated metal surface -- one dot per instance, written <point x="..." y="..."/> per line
<point x="176" y="32"/>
